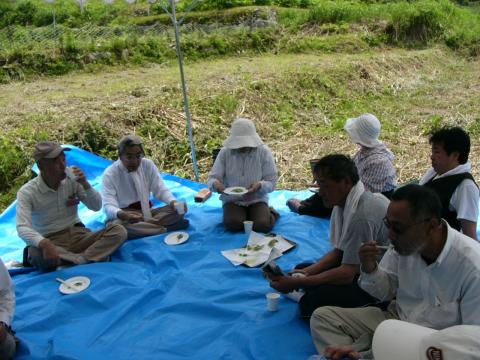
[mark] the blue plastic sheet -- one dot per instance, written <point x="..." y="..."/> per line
<point x="155" y="301"/>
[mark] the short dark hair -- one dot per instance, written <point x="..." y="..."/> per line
<point x="453" y="139"/>
<point x="128" y="141"/>
<point x="423" y="202"/>
<point x="337" y="167"/>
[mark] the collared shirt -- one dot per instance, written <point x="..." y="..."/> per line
<point x="119" y="189"/>
<point x="466" y="196"/>
<point x="235" y="168"/>
<point x="375" y="168"/>
<point x="439" y="295"/>
<point x="7" y="295"/>
<point x="42" y="210"/>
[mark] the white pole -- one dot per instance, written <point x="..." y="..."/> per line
<point x="184" y="88"/>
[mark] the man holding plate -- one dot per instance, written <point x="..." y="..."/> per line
<point x="244" y="173"/>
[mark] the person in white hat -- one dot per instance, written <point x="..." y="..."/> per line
<point x="127" y="185"/>
<point x="47" y="215"/>
<point x="431" y="276"/>
<point x="374" y="162"/>
<point x="245" y="161"/>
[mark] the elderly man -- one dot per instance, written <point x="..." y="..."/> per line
<point x="7" y="307"/>
<point x="451" y="179"/>
<point x="433" y="272"/>
<point x="356" y="218"/>
<point x="374" y="162"/>
<point x="47" y="217"/>
<point x="245" y="161"/>
<point x="127" y="185"/>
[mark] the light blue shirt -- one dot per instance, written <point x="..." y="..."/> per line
<point x="235" y="168"/>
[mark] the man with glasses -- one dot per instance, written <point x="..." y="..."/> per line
<point x="356" y="218"/>
<point x="47" y="215"/>
<point x="127" y="185"/>
<point x="432" y="272"/>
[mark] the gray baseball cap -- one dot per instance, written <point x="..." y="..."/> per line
<point x="48" y="150"/>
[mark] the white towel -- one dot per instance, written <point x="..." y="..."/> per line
<point x="341" y="216"/>
<point x="143" y="194"/>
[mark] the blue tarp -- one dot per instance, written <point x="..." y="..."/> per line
<point x="155" y="301"/>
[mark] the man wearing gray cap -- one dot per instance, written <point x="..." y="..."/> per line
<point x="47" y="215"/>
<point x="127" y="185"/>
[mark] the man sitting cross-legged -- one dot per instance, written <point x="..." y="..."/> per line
<point x="127" y="185"/>
<point x="433" y="272"/>
<point x="356" y="218"/>
<point x="47" y="216"/>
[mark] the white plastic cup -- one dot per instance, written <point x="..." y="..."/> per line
<point x="180" y="207"/>
<point x="247" y="226"/>
<point x="273" y="299"/>
<point x="70" y="174"/>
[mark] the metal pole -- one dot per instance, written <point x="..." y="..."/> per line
<point x="184" y="88"/>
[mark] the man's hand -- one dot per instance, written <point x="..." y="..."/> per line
<point x="340" y="352"/>
<point x="49" y="251"/>
<point x="3" y="333"/>
<point x="130" y="216"/>
<point x="368" y="254"/>
<point x="81" y="179"/>
<point x="284" y="284"/>
<point x="254" y="187"/>
<point x="218" y="186"/>
<point x="294" y="204"/>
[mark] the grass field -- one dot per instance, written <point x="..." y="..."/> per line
<point x="298" y="82"/>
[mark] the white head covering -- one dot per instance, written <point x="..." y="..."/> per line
<point x="364" y="130"/>
<point x="242" y="134"/>
<point x="400" y="340"/>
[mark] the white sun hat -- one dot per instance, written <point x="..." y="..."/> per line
<point x="400" y="340"/>
<point x="242" y="134"/>
<point x="364" y="130"/>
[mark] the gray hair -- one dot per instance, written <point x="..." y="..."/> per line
<point x="127" y="141"/>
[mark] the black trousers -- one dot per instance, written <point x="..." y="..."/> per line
<point x="347" y="296"/>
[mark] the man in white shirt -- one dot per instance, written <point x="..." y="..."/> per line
<point x="7" y="308"/>
<point x="127" y="185"/>
<point x="433" y="272"/>
<point x="451" y="179"/>
<point x="47" y="216"/>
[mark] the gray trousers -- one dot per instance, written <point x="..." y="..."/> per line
<point x="332" y="325"/>
<point x="164" y="219"/>
<point x="8" y="347"/>
<point x="80" y="245"/>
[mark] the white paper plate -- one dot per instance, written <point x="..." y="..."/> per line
<point x="230" y="191"/>
<point x="175" y="238"/>
<point x="76" y="285"/>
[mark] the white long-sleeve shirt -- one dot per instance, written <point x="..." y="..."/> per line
<point x="7" y="295"/>
<point x="42" y="210"/>
<point x="119" y="189"/>
<point x="439" y="295"/>
<point x="235" y="168"/>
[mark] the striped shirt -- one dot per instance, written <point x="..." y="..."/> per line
<point x="375" y="168"/>
<point x="235" y="168"/>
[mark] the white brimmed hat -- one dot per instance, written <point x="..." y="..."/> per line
<point x="400" y="340"/>
<point x="242" y="134"/>
<point x="364" y="130"/>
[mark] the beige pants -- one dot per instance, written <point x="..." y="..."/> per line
<point x="79" y="245"/>
<point x="163" y="219"/>
<point x="332" y="325"/>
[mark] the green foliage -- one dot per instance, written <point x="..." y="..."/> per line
<point x="12" y="162"/>
<point x="93" y="136"/>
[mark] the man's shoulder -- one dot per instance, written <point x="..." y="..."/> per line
<point x="370" y="201"/>
<point x="30" y="186"/>
<point x="466" y="250"/>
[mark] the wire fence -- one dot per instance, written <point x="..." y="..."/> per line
<point x="15" y="37"/>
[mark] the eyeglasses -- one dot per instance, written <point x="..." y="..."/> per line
<point x="132" y="157"/>
<point x="401" y="230"/>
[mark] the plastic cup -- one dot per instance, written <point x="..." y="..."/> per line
<point x="180" y="207"/>
<point x="247" y="226"/>
<point x="273" y="299"/>
<point x="70" y="174"/>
